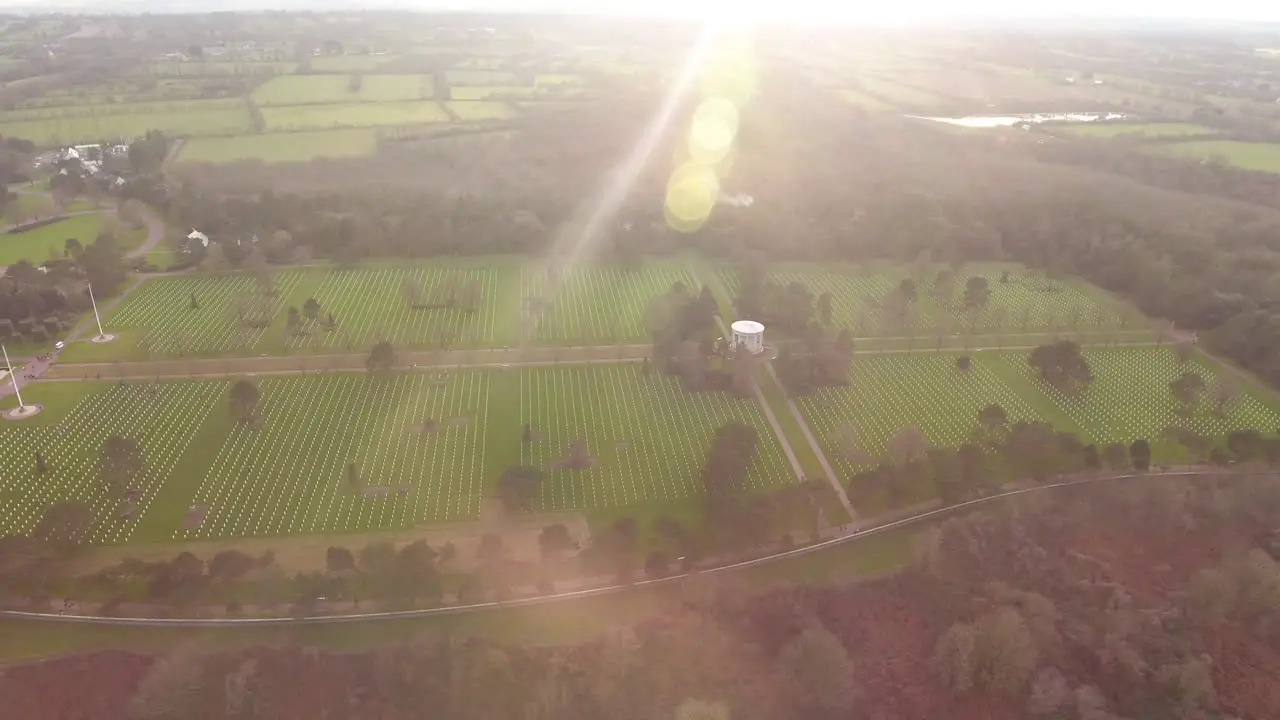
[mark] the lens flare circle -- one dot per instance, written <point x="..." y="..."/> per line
<point x="714" y="127"/>
<point x="692" y="193"/>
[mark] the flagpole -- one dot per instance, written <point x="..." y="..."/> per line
<point x="95" y="310"/>
<point x="13" y="377"/>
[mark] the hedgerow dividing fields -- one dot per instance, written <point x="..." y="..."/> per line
<point x="312" y="89"/>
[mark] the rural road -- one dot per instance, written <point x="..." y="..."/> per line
<point x="155" y="230"/>
<point x="861" y="530"/>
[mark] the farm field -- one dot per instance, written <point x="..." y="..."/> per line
<point x="481" y="77"/>
<point x="339" y="115"/>
<point x="590" y="305"/>
<point x="48" y="241"/>
<point x="83" y="110"/>
<point x="1250" y="156"/>
<point x="65" y="130"/>
<point x="222" y="68"/>
<point x="309" y="89"/>
<point x="428" y="447"/>
<point x="349" y="63"/>
<point x="468" y="111"/>
<point x="1026" y="303"/>
<point x="1143" y="130"/>
<point x="281" y="147"/>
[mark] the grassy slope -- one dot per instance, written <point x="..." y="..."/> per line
<point x="1251" y="156"/>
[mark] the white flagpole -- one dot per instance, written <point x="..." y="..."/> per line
<point x="95" y="310"/>
<point x="13" y="377"/>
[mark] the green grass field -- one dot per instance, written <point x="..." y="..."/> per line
<point x="64" y="129"/>
<point x="281" y="147"/>
<point x="349" y="63"/>
<point x="215" y="68"/>
<point x="1142" y="130"/>
<point x="480" y="110"/>
<point x="1025" y="304"/>
<point x="308" y="89"/>
<point x="48" y="241"/>
<point x="481" y="77"/>
<point x="1129" y="399"/>
<point x="590" y="305"/>
<point x="1250" y="156"/>
<point x="344" y="115"/>
<point x="429" y="447"/>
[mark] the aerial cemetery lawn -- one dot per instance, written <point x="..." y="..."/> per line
<point x="996" y="303"/>
<point x="340" y="453"/>
<point x="428" y="306"/>
<point x="898" y="400"/>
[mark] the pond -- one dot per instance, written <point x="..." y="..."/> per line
<point x="991" y="121"/>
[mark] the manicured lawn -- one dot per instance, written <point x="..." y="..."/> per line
<point x="427" y="448"/>
<point x="1250" y="156"/>
<point x="648" y="436"/>
<point x="290" y="476"/>
<point x="48" y="241"/>
<point x="340" y="115"/>
<point x="1025" y="303"/>
<point x="345" y="88"/>
<point x="1143" y="130"/>
<point x="281" y="147"/>
<point x="1128" y="399"/>
<point x="586" y="305"/>
<point x="164" y="419"/>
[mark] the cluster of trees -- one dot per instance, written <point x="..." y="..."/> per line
<point x="38" y="305"/>
<point x="682" y="326"/>
<point x="1036" y="619"/>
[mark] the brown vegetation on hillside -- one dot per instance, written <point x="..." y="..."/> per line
<point x="1151" y="598"/>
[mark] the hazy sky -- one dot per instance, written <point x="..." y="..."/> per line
<point x="891" y="10"/>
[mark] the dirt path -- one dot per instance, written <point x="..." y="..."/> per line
<point x="345" y="362"/>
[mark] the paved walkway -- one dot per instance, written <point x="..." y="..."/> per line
<point x="346" y="612"/>
<point x="833" y="478"/>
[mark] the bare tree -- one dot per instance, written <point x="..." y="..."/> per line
<point x="908" y="445"/>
